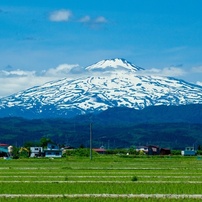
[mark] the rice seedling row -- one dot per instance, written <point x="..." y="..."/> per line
<point x="82" y="179"/>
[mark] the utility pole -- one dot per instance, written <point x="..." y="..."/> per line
<point x="91" y="141"/>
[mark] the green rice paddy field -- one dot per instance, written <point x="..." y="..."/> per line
<point x="104" y="178"/>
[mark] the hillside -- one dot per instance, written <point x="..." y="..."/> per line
<point x="174" y="127"/>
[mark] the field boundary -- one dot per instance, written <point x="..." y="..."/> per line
<point x="100" y="181"/>
<point x="169" y="196"/>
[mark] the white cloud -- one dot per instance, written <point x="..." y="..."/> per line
<point x="65" y="15"/>
<point x="93" y="23"/>
<point x="16" y="73"/>
<point x="85" y="19"/>
<point x="167" y="71"/>
<point x="100" y="20"/>
<point x="16" y="80"/>
<point x="199" y="83"/>
<point x="10" y="85"/>
<point x="197" y="69"/>
<point x="173" y="71"/>
<point x="60" y="71"/>
<point x="60" y="15"/>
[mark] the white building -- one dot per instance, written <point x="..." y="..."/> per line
<point x="36" y="151"/>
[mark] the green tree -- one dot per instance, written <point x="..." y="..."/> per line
<point x="30" y="144"/>
<point x="44" y="141"/>
<point x="15" y="153"/>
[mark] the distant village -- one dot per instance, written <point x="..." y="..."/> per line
<point x="52" y="150"/>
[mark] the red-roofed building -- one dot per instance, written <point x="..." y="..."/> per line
<point x="100" y="150"/>
<point x="4" y="150"/>
<point x="3" y="145"/>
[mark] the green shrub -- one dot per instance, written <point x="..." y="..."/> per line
<point x="176" y="152"/>
<point x="134" y="178"/>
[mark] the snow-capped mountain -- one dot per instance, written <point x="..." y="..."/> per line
<point x="113" y="65"/>
<point x="110" y="83"/>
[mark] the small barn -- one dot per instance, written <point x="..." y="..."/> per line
<point x="153" y="150"/>
<point x="165" y="151"/>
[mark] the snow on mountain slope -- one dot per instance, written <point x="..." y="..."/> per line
<point x="113" y="65"/>
<point x="98" y="92"/>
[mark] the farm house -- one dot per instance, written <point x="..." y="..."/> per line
<point x="189" y="151"/>
<point x="53" y="151"/>
<point x="36" y="151"/>
<point x="153" y="150"/>
<point x="142" y="149"/>
<point x="5" y="150"/>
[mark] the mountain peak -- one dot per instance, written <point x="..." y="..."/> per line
<point x="115" y="85"/>
<point x="113" y="64"/>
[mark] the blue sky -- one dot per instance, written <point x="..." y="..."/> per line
<point x="40" y="40"/>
